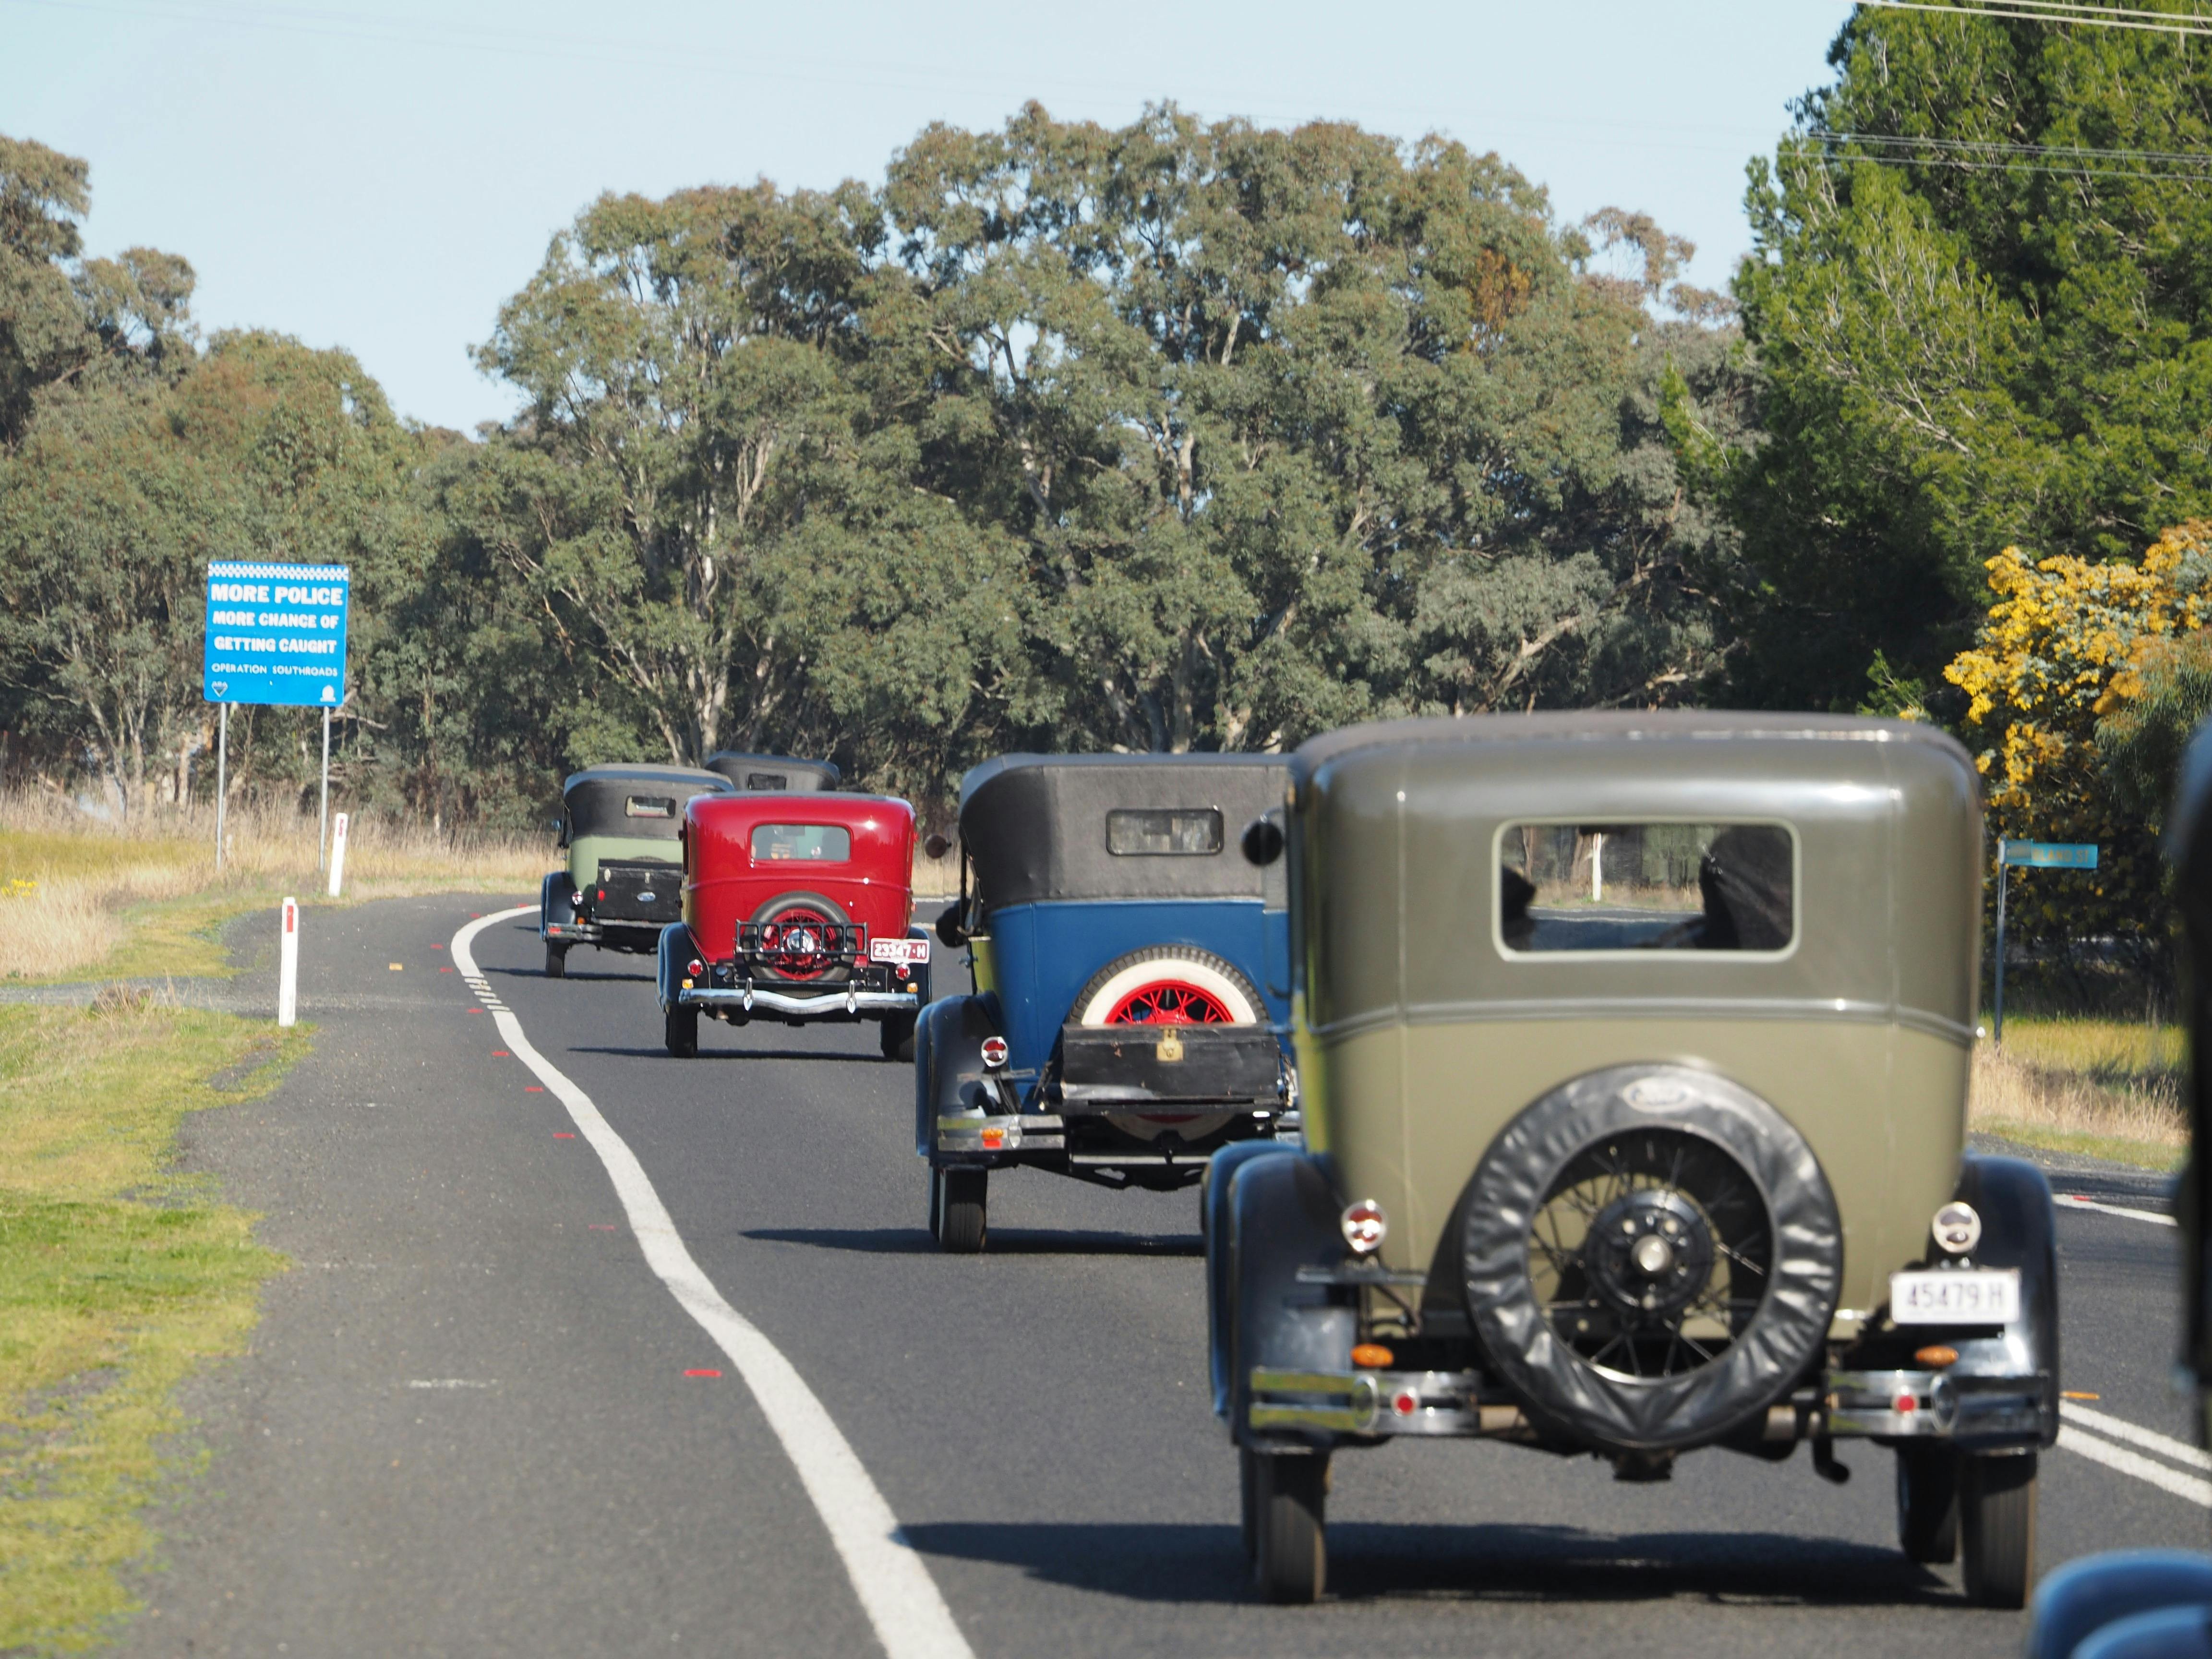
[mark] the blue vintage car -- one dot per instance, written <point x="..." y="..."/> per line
<point x="1130" y="971"/>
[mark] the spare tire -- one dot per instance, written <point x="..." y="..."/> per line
<point x="793" y="952"/>
<point x="1169" y="984"/>
<point x="1652" y="1257"/>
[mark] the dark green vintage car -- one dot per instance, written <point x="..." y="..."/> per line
<point x="620" y="827"/>
<point x="1634" y="1051"/>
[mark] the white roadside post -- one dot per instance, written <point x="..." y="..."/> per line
<point x="338" y="852"/>
<point x="288" y="966"/>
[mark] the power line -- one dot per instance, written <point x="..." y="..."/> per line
<point x="2054" y="11"/>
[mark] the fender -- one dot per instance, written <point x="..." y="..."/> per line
<point x="2019" y="1230"/>
<point x="921" y="977"/>
<point x="1220" y="1177"/>
<point x="676" y="947"/>
<point x="1282" y="1216"/>
<point x="546" y="899"/>
<point x="948" y="1061"/>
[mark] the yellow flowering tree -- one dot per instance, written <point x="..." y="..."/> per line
<point x="2064" y="645"/>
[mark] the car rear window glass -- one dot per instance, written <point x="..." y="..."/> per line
<point x="1152" y="831"/>
<point x="1606" y="887"/>
<point x="808" y="843"/>
<point x="649" y="806"/>
<point x="770" y="783"/>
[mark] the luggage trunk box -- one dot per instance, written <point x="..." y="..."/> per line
<point x="639" y="892"/>
<point x="1116" y="1066"/>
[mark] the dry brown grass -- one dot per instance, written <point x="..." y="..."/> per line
<point x="74" y="891"/>
<point x="2109" y="1087"/>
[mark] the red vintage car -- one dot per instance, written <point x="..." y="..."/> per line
<point x="796" y="907"/>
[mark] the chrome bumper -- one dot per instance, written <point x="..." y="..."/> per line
<point x="821" y="1002"/>
<point x="1902" y="1405"/>
<point x="1047" y="1131"/>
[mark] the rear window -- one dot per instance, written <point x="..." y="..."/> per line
<point x="1148" y="832"/>
<point x="1628" y="887"/>
<point x="805" y="843"/>
<point x="649" y="806"/>
<point x="767" y="783"/>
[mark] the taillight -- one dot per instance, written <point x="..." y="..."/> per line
<point x="695" y="966"/>
<point x="1365" y="1226"/>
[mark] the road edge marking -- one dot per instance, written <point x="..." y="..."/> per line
<point x="2118" y="1428"/>
<point x="893" y="1583"/>
<point x="2085" y="1444"/>
<point x="2070" y="1201"/>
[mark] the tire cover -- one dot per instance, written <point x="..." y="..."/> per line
<point x="1562" y="1391"/>
<point x="828" y="908"/>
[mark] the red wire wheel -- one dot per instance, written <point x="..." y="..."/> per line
<point x="796" y="945"/>
<point x="1169" y="1002"/>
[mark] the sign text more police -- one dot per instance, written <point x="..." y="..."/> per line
<point x="276" y="634"/>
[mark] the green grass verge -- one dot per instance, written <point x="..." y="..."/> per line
<point x="118" y="1277"/>
<point x="2142" y="1154"/>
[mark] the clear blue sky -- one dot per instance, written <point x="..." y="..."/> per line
<point x="382" y="177"/>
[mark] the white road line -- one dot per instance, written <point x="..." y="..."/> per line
<point x="2118" y="1428"/>
<point x="895" y="1588"/>
<point x="2134" y="1463"/>
<point x="2070" y="1201"/>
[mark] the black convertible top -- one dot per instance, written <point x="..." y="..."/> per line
<point x="1035" y="826"/>
<point x="774" y="774"/>
<point x="597" y="800"/>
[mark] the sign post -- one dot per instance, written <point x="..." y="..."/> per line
<point x="288" y="966"/>
<point x="2033" y="856"/>
<point x="276" y="637"/>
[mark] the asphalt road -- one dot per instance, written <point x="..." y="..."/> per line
<point x="468" y="1424"/>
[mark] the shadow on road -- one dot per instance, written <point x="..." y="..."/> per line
<point x="1011" y="1241"/>
<point x="658" y="1052"/>
<point x="1375" y="1562"/>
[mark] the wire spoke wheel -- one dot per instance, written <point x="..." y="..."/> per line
<point x="1650" y="1253"/>
<point x="800" y="944"/>
<point x="1169" y="1002"/>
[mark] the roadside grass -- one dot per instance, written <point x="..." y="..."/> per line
<point x="118" y="1277"/>
<point x="80" y="899"/>
<point x="2102" y="1088"/>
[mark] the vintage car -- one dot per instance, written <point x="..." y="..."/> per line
<point x="774" y="774"/>
<point x="1634" y="1052"/>
<point x="797" y="908"/>
<point x="2157" y="1603"/>
<point x="1129" y="973"/>
<point x="620" y="827"/>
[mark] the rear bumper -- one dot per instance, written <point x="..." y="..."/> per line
<point x="1979" y="1412"/>
<point x="843" y="1003"/>
<point x="989" y="1140"/>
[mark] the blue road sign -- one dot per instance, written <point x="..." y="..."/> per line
<point x="276" y="634"/>
<point x="2051" y="854"/>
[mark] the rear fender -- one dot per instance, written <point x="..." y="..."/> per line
<point x="2019" y="1229"/>
<point x="675" y="949"/>
<point x="554" y="891"/>
<point x="1282" y="1215"/>
<point x="948" y="1062"/>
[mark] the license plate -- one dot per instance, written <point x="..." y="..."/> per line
<point x="1984" y="1297"/>
<point x="898" y="949"/>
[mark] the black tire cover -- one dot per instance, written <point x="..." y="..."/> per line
<point x="1560" y="1390"/>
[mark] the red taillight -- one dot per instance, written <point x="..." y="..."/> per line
<point x="695" y="966"/>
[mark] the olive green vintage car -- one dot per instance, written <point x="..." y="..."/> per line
<point x="620" y="827"/>
<point x="1634" y="1051"/>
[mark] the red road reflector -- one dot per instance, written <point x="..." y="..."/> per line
<point x="564" y="1134"/>
<point x="501" y="1054"/>
<point x="601" y="1226"/>
<point x="702" y="1372"/>
<point x="532" y="1089"/>
<point x="473" y="1011"/>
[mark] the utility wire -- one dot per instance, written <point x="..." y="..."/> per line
<point x="2046" y="11"/>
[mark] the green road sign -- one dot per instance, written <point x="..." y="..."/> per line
<point x="2049" y="854"/>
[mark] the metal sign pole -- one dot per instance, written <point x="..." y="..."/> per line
<point x="323" y="830"/>
<point x="221" y="776"/>
<point x="2004" y="870"/>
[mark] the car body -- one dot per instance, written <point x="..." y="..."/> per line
<point x="2157" y="1603"/>
<point x="1129" y="973"/>
<point x="796" y="907"/>
<point x="622" y="828"/>
<point x="1629" y="1169"/>
<point x="773" y="774"/>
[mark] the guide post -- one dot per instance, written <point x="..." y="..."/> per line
<point x="288" y="966"/>
<point x="338" y="852"/>
<point x="2034" y="855"/>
